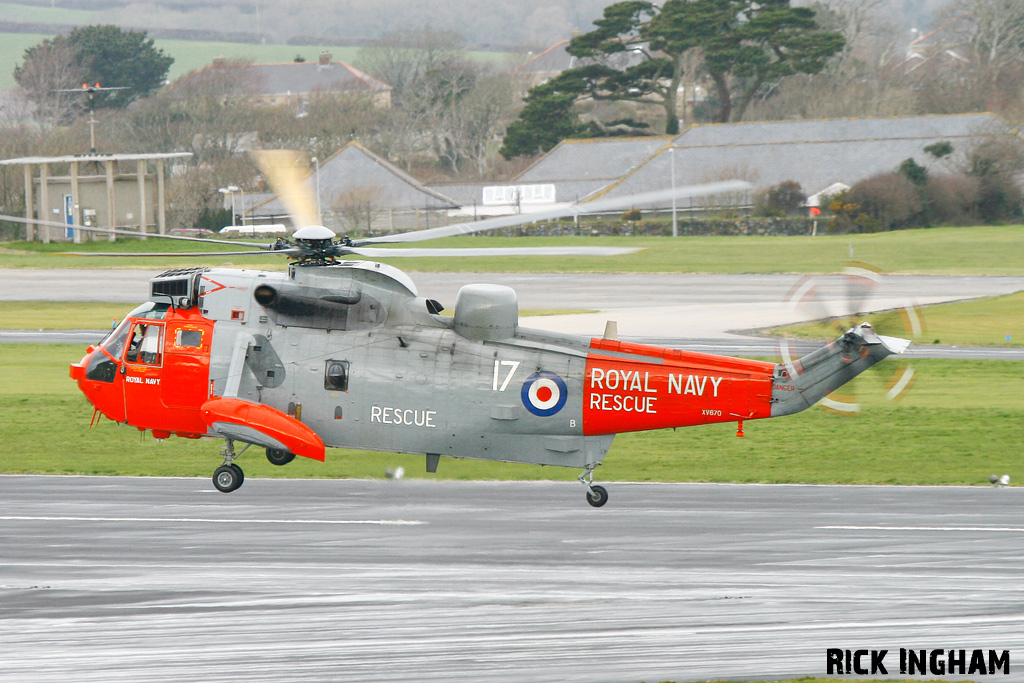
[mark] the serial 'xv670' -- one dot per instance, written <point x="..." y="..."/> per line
<point x="346" y="354"/>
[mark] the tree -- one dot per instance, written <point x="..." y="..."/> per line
<point x="745" y="45"/>
<point x="401" y="58"/>
<point x="49" y="68"/>
<point x="781" y="199"/>
<point x="100" y="54"/>
<point x="547" y="119"/>
<point x="996" y="166"/>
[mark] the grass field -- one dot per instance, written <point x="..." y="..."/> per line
<point x="959" y="425"/>
<point x="188" y="54"/>
<point x="982" y="322"/>
<point x="939" y="251"/>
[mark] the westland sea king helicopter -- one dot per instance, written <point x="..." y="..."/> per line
<point x="342" y="352"/>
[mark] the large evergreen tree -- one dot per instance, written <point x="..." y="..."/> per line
<point x="106" y="55"/>
<point x="743" y="45"/>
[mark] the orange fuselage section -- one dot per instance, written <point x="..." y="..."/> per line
<point x="632" y="387"/>
<point x="152" y="372"/>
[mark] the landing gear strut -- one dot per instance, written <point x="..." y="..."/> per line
<point x="229" y="476"/>
<point x="596" y="495"/>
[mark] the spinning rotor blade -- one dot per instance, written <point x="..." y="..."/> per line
<point x="133" y="233"/>
<point x="494" y="251"/>
<point x="195" y="254"/>
<point x="287" y="172"/>
<point x="571" y="210"/>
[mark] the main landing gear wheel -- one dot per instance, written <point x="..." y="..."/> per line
<point x="278" y="457"/>
<point x="597" y="495"/>
<point x="227" y="478"/>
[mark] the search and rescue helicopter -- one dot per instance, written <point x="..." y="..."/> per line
<point x="345" y="353"/>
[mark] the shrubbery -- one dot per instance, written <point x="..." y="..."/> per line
<point x="985" y="190"/>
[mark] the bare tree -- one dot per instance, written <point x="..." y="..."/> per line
<point x="50" y="69"/>
<point x="994" y="32"/>
<point x="401" y="58"/>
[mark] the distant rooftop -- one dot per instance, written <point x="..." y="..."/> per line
<point x="356" y="174"/>
<point x="291" y="78"/>
<point x="813" y="153"/>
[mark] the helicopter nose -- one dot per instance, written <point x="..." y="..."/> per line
<point x="96" y="376"/>
<point x="77" y="371"/>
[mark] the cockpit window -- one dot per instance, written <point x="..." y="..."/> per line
<point x="148" y="310"/>
<point x="114" y="343"/>
<point x="144" y="345"/>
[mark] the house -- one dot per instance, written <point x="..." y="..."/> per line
<point x="294" y="83"/>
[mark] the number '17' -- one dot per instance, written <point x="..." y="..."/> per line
<point x="512" y="365"/>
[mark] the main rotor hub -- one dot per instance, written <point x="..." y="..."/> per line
<point x="318" y="245"/>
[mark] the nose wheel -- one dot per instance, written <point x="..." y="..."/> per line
<point x="596" y="495"/>
<point x="229" y="476"/>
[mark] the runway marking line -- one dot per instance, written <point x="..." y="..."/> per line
<point x="922" y="528"/>
<point x="207" y="520"/>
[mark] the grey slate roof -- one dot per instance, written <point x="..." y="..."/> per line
<point x="578" y="168"/>
<point x="306" y="77"/>
<point x="355" y="169"/>
<point x="813" y="153"/>
<point x="463" y="194"/>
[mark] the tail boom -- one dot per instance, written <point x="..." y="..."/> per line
<point x="797" y="385"/>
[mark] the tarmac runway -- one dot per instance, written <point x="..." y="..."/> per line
<point x="137" y="579"/>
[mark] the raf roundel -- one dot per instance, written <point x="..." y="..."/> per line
<point x="544" y="393"/>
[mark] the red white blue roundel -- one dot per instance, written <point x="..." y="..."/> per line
<point x="544" y="393"/>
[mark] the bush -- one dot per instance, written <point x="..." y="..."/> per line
<point x="996" y="165"/>
<point x="779" y="200"/>
<point x="950" y="200"/>
<point x="889" y="200"/>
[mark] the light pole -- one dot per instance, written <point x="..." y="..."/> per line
<point x="672" y="158"/>
<point x="230" y="190"/>
<point x="316" y="163"/>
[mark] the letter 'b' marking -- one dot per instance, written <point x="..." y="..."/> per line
<point x="544" y="393"/>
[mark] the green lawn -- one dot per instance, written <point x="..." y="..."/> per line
<point x="188" y="54"/>
<point x="981" y="322"/>
<point x="941" y="251"/>
<point x="958" y="425"/>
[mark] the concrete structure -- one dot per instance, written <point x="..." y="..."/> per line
<point x="117" y="199"/>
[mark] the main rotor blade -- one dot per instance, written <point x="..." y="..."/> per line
<point x="287" y="171"/>
<point x="195" y="254"/>
<point x="493" y="251"/>
<point x="132" y="233"/>
<point x="596" y="206"/>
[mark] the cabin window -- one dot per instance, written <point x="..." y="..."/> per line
<point x="144" y="345"/>
<point x="336" y="375"/>
<point x="190" y="338"/>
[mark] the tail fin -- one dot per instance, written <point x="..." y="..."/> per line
<point x="797" y="385"/>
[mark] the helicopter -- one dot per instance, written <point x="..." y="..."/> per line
<point x="344" y="352"/>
